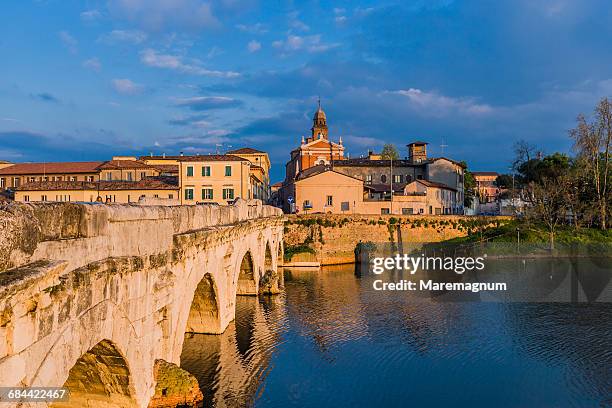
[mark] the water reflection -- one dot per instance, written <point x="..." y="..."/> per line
<point x="331" y="340"/>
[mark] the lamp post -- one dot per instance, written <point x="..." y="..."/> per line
<point x="518" y="239"/>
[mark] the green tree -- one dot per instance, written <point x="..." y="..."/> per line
<point x="469" y="186"/>
<point x="389" y="152"/>
<point x="504" y="181"/>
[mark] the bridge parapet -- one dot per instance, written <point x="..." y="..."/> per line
<point x="70" y="231"/>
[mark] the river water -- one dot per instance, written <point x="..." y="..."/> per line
<point x="331" y="340"/>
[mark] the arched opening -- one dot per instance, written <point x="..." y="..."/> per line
<point x="269" y="283"/>
<point x="246" y="277"/>
<point x="204" y="312"/>
<point x="268" y="259"/>
<point x="100" y="377"/>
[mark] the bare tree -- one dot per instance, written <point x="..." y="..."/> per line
<point x="523" y="152"/>
<point x="548" y="203"/>
<point x="592" y="141"/>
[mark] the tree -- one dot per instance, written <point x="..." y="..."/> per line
<point x="389" y="152"/>
<point x="592" y="141"/>
<point x="548" y="203"/>
<point x="523" y="152"/>
<point x="469" y="186"/>
<point x="504" y="181"/>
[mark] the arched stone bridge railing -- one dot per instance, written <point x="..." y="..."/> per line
<point x="102" y="291"/>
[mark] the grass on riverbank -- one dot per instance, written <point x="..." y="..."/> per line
<point x="536" y="234"/>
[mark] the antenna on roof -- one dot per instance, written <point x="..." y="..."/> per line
<point x="442" y="146"/>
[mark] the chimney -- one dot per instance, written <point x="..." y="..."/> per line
<point x="164" y="155"/>
<point x="181" y="154"/>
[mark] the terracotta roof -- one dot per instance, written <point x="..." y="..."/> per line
<point x="52" y="168"/>
<point x="211" y="157"/>
<point x="417" y="142"/>
<point x="162" y="157"/>
<point x="434" y="184"/>
<point x="148" y="183"/>
<point x="485" y="173"/>
<point x="166" y="168"/>
<point x="380" y="188"/>
<point x="319" y="169"/>
<point x="123" y="164"/>
<point x="245" y="150"/>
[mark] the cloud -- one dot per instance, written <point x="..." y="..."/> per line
<point x="436" y="104"/>
<point x="90" y="15"/>
<point x="127" y="36"/>
<point x="362" y="141"/>
<point x="311" y="43"/>
<point x="152" y="58"/>
<point x="127" y="87"/>
<point x="194" y="121"/>
<point x="256" y="28"/>
<point x="69" y="41"/>
<point x="156" y="15"/>
<point x="46" y="97"/>
<point x="254" y="46"/>
<point x="296" y="23"/>
<point x="203" y="103"/>
<point x="93" y="64"/>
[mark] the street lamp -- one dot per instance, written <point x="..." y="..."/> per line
<point x="518" y="239"/>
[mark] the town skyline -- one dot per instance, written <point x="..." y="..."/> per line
<point x="90" y="81"/>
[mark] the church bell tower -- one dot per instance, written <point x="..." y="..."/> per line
<point x="319" y="124"/>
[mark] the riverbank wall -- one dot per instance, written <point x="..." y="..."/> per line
<point x="331" y="239"/>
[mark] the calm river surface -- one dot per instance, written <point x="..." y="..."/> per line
<point x="331" y="340"/>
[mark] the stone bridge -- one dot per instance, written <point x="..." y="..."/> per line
<point x="91" y="296"/>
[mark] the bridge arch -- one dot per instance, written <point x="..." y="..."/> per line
<point x="247" y="276"/>
<point x="271" y="281"/>
<point x="104" y="328"/>
<point x="100" y="377"/>
<point x="204" y="312"/>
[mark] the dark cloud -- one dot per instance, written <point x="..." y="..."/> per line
<point x="203" y="103"/>
<point x="46" y="97"/>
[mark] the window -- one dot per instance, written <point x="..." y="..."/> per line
<point x="90" y="178"/>
<point x="369" y="178"/>
<point x="384" y="211"/>
<point x="408" y="178"/>
<point x="2" y="182"/>
<point x="383" y="179"/>
<point x="155" y="195"/>
<point x="129" y="176"/>
<point x="206" y="171"/>
<point x="189" y="171"/>
<point x="420" y="177"/>
<point x="307" y="205"/>
<point x="31" y="179"/>
<point x="143" y="174"/>
<point x="207" y="193"/>
<point x="407" y="211"/>
<point x="171" y="196"/>
<point x="16" y="181"/>
<point x="345" y="206"/>
<point x="189" y="193"/>
<point x="430" y="209"/>
<point x="329" y="201"/>
<point x="438" y="211"/>
<point x="43" y="197"/>
<point x="109" y="177"/>
<point x="129" y="201"/>
<point x="26" y="198"/>
<point x="73" y="178"/>
<point x="228" y="193"/>
<point x="397" y="178"/>
<point x="228" y="171"/>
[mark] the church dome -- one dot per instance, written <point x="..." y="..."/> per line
<point x="319" y="114"/>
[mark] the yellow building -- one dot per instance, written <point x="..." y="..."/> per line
<point x="126" y="168"/>
<point x="214" y="178"/>
<point x="260" y="171"/>
<point x="320" y="189"/>
<point x="163" y="188"/>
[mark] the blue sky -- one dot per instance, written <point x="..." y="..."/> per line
<point x="84" y="80"/>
